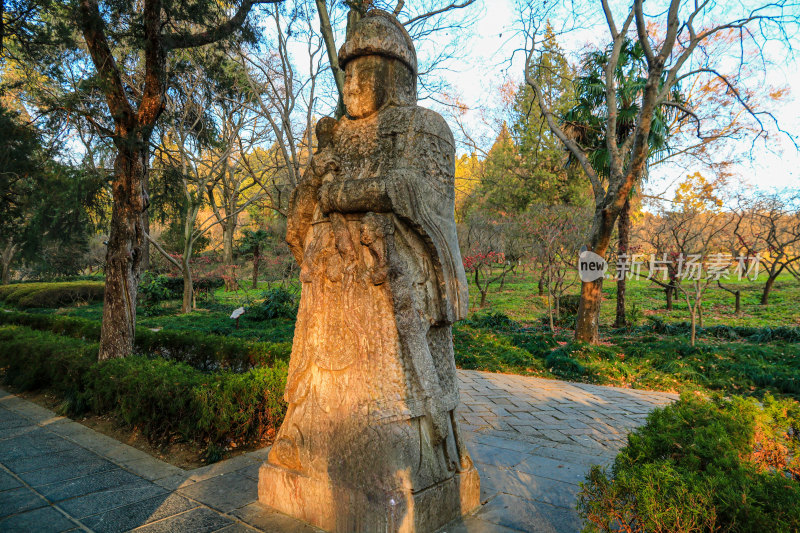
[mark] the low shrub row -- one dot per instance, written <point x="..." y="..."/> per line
<point x="164" y="399"/>
<point x="174" y="285"/>
<point x="277" y="303"/>
<point x="749" y="333"/>
<point x="702" y="465"/>
<point x="201" y="351"/>
<point x="56" y="294"/>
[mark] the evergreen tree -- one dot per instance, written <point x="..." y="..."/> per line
<point x="541" y="155"/>
<point x="527" y="164"/>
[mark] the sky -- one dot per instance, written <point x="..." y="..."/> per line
<point x="487" y="64"/>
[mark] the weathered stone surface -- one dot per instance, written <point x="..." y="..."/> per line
<point x="370" y="440"/>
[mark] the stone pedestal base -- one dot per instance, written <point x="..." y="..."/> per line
<point x="346" y="510"/>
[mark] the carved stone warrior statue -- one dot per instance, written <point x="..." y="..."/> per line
<point x="370" y="441"/>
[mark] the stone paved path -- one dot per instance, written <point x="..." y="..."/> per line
<point x="532" y="440"/>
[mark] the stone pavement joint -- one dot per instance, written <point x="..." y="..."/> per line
<point x="533" y="441"/>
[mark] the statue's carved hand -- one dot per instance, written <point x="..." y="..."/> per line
<point x="324" y="162"/>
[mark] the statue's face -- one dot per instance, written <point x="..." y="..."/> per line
<point x="365" y="85"/>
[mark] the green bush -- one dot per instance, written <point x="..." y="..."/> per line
<point x="758" y="335"/>
<point x="204" y="352"/>
<point x="164" y="399"/>
<point x="479" y="350"/>
<point x="174" y="285"/>
<point x="210" y="352"/>
<point x="277" y="303"/>
<point x="493" y="320"/>
<point x="36" y="359"/>
<point x="57" y="294"/>
<point x="153" y="289"/>
<point x="568" y="304"/>
<point x="703" y="465"/>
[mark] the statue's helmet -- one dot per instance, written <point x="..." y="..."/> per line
<point x="379" y="33"/>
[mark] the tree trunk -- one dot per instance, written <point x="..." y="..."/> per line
<point x="256" y="262"/>
<point x="624" y="230"/>
<point x="541" y="285"/>
<point x="669" y="291"/>
<point x="124" y="253"/>
<point x="7" y="257"/>
<point x="188" y="289"/>
<point x="228" y="229"/>
<point x="186" y="271"/>
<point x="767" y="289"/>
<point x="146" y="224"/>
<point x="483" y="299"/>
<point x="588" y="320"/>
<point x="738" y="296"/>
<point x="694" y="324"/>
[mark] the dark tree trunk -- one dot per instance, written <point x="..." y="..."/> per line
<point x="669" y="290"/>
<point x="767" y="289"/>
<point x="7" y="257"/>
<point x="588" y="321"/>
<point x="624" y="230"/>
<point x="124" y="254"/>
<point x="541" y="285"/>
<point x="737" y="295"/>
<point x="146" y="224"/>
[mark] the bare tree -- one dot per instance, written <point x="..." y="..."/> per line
<point x="673" y="41"/>
<point x="287" y="99"/>
<point x="204" y="133"/>
<point x="557" y="232"/>
<point x="482" y="242"/>
<point x="767" y="225"/>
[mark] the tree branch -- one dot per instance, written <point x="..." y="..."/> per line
<point x="178" y="41"/>
<point x="93" y="32"/>
<point x="641" y="30"/>
<point x="163" y="252"/>
<point x="430" y="14"/>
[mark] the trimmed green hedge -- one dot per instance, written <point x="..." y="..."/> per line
<point x="749" y="333"/>
<point x="703" y="465"/>
<point x="203" y="352"/>
<point x="56" y="294"/>
<point x="164" y="399"/>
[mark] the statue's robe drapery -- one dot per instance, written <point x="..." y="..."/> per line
<point x="382" y="283"/>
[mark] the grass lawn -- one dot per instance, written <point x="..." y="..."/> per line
<point x="519" y="300"/>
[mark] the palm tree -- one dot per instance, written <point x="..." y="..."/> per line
<point x="586" y="124"/>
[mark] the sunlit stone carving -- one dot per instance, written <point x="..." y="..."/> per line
<point x="370" y="441"/>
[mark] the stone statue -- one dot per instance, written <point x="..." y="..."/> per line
<point x="370" y="441"/>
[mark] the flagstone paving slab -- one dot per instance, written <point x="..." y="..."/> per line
<point x="532" y="440"/>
